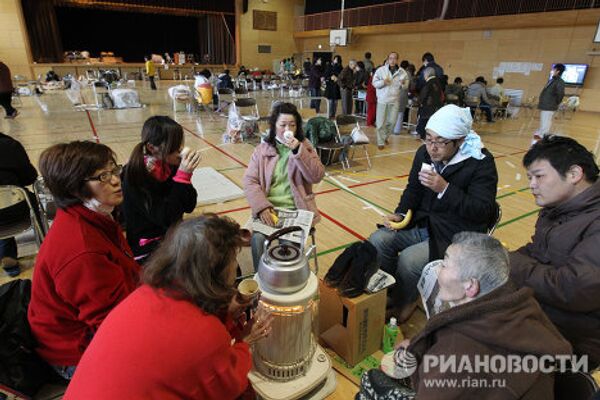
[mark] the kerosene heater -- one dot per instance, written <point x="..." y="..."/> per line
<point x="289" y="364"/>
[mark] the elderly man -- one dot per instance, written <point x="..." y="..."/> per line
<point x="562" y="262"/>
<point x="451" y="188"/>
<point x="346" y="81"/>
<point x="388" y="79"/>
<point x="488" y="318"/>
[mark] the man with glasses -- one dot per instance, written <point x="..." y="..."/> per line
<point x="451" y="188"/>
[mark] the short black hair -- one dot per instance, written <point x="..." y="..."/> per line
<point x="560" y="68"/>
<point x="368" y="55"/>
<point x="404" y="64"/>
<point x="500" y="81"/>
<point x="428" y="57"/>
<point x="458" y="80"/>
<point x="480" y="79"/>
<point x="563" y="153"/>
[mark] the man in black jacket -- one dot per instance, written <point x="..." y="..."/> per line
<point x="451" y="188"/>
<point x="550" y="98"/>
<point x="15" y="169"/>
<point x="430" y="100"/>
<point x="428" y="61"/>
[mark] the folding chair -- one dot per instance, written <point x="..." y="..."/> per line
<point x="225" y="97"/>
<point x="241" y="93"/>
<point x="247" y="104"/>
<point x="46" y="203"/>
<point x="344" y="125"/>
<point x="493" y="224"/>
<point x="473" y="103"/>
<point x="11" y="195"/>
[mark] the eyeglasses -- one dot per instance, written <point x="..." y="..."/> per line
<point x="435" y="143"/>
<point x="106" y="176"/>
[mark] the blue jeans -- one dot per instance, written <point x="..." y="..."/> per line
<point x="316" y="104"/>
<point x="8" y="248"/>
<point x="403" y="254"/>
<point x="332" y="108"/>
<point x="66" y="372"/>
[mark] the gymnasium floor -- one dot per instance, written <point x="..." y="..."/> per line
<point x="351" y="203"/>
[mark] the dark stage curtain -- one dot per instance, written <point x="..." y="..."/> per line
<point x="42" y="27"/>
<point x="216" y="38"/>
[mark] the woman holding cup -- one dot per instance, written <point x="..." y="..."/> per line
<point x="179" y="335"/>
<point x="157" y="184"/>
<point x="281" y="173"/>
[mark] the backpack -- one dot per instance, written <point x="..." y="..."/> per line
<point x="21" y="368"/>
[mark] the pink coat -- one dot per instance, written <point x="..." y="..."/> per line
<point x="304" y="169"/>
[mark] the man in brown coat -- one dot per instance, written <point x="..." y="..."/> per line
<point x="346" y="82"/>
<point x="6" y="91"/>
<point x="562" y="262"/>
<point x="489" y="319"/>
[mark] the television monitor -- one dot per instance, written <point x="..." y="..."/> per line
<point x="574" y="74"/>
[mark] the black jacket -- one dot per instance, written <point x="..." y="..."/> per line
<point x="314" y="77"/>
<point x="552" y="95"/>
<point x="431" y="98"/>
<point x="149" y="212"/>
<point x="332" y="89"/>
<point x="469" y="203"/>
<point x="439" y="73"/>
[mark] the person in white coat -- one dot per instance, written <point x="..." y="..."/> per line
<point x="388" y="80"/>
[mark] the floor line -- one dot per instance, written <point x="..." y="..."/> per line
<point x="344" y="227"/>
<point x="215" y="147"/>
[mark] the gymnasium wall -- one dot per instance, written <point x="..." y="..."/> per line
<point x="474" y="46"/>
<point x="14" y="50"/>
<point x="281" y="41"/>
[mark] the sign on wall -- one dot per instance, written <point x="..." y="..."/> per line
<point x="264" y="20"/>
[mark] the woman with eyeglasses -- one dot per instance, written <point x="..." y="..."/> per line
<point x="281" y="173"/>
<point x="84" y="267"/>
<point x="157" y="184"/>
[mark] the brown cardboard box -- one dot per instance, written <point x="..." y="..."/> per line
<point x="353" y="328"/>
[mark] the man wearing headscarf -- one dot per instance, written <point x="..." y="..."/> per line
<point x="451" y="188"/>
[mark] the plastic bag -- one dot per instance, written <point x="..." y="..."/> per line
<point x="358" y="136"/>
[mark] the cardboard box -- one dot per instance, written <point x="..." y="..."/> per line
<point x="353" y="328"/>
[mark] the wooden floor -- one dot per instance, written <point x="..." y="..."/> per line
<point x="351" y="203"/>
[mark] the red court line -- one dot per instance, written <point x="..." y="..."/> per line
<point x="92" y="126"/>
<point x="233" y="210"/>
<point x="215" y="147"/>
<point x="344" y="227"/>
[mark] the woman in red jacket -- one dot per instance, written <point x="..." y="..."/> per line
<point x="173" y="337"/>
<point x="84" y="267"/>
<point x="371" y="100"/>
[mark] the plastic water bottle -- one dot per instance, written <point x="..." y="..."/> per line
<point x="390" y="333"/>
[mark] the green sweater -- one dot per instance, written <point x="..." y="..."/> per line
<point x="280" y="194"/>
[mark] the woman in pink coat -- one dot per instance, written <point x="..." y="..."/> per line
<point x="281" y="172"/>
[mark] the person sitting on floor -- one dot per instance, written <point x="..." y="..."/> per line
<point x="84" y="267"/>
<point x="176" y="336"/>
<point x="451" y="188"/>
<point x="562" y="261"/>
<point x="157" y="184"/>
<point x="489" y="319"/>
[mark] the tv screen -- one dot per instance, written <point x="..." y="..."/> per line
<point x="574" y="74"/>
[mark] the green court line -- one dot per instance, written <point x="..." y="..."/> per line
<point x="512" y="193"/>
<point x="359" y="196"/>
<point x="322" y="253"/>
<point x="515" y="219"/>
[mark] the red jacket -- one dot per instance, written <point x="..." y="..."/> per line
<point x="83" y="270"/>
<point x="155" y="347"/>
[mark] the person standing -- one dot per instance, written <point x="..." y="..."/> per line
<point x="550" y="98"/>
<point x="428" y="61"/>
<point x="430" y="100"/>
<point x="371" y="101"/>
<point x="369" y="66"/>
<point x="346" y="81"/>
<point x="332" y="89"/>
<point x="315" y="78"/>
<point x="388" y="80"/>
<point x="6" y="91"/>
<point x="150" y="71"/>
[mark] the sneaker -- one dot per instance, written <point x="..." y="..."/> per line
<point x="380" y="147"/>
<point x="13" y="115"/>
<point x="11" y="266"/>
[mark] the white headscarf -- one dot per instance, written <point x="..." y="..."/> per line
<point x="452" y="122"/>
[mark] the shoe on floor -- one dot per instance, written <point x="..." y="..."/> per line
<point x="13" y="115"/>
<point x="11" y="266"/>
<point x="380" y="147"/>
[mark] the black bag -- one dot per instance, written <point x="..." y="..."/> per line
<point x="21" y="368"/>
<point x="376" y="385"/>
